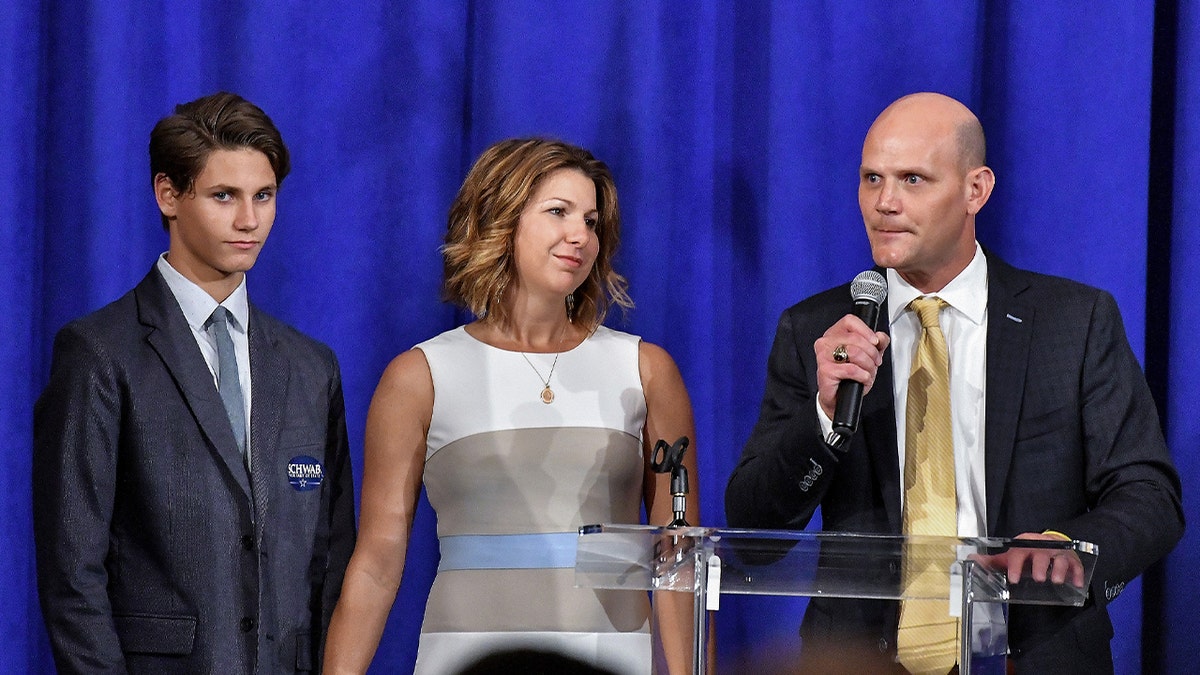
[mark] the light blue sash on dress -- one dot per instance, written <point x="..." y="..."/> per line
<point x="507" y="551"/>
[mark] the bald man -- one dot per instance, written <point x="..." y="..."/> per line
<point x="1054" y="430"/>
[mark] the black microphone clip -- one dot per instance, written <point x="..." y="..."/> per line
<point x="669" y="457"/>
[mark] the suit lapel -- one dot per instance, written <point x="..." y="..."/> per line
<point x="269" y="382"/>
<point x="1010" y="328"/>
<point x="171" y="337"/>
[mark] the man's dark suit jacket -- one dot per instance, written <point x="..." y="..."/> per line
<point x="1072" y="444"/>
<point x="156" y="551"/>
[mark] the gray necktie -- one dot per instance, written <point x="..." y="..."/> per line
<point x="229" y="382"/>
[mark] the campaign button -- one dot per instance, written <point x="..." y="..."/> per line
<point x="305" y="473"/>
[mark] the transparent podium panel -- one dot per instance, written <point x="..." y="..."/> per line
<point x="977" y="578"/>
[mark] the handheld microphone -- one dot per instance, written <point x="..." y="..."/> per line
<point x="868" y="290"/>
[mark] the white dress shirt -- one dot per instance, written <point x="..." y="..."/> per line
<point x="198" y="306"/>
<point x="964" y="323"/>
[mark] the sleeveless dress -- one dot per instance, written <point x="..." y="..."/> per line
<point x="511" y="479"/>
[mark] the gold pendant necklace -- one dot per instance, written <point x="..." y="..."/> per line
<point x="547" y="393"/>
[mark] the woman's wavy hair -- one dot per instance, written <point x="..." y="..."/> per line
<point x="479" y="250"/>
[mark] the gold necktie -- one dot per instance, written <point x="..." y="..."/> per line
<point x="927" y="641"/>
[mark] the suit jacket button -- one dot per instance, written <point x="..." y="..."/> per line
<point x="248" y="542"/>
<point x="883" y="645"/>
<point x="247" y="624"/>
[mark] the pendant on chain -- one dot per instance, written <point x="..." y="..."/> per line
<point x="547" y="394"/>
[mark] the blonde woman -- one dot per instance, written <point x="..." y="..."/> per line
<point x="523" y="425"/>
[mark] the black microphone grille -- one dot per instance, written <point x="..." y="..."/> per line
<point x="869" y="285"/>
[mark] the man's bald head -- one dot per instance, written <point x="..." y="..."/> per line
<point x="921" y="182"/>
<point x="939" y="109"/>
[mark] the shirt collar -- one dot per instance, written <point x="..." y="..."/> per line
<point x="198" y="305"/>
<point x="966" y="293"/>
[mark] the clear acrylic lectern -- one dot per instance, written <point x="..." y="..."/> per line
<point x="709" y="562"/>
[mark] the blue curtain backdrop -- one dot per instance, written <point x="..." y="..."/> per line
<point x="733" y="130"/>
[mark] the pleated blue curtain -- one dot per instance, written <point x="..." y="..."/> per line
<point x="733" y="130"/>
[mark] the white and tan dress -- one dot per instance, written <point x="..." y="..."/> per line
<point x="511" y="479"/>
